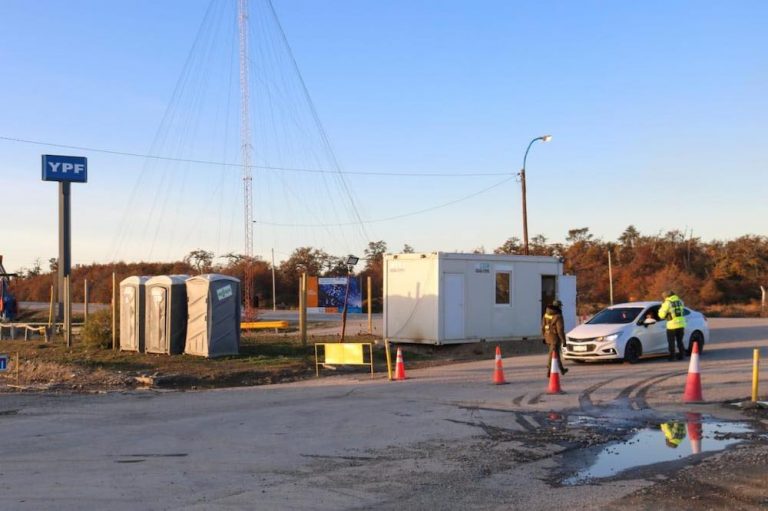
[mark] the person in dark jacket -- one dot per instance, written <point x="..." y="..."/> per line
<point x="553" y="330"/>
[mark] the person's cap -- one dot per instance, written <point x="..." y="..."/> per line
<point x="557" y="303"/>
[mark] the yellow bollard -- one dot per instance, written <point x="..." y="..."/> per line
<point x="389" y="358"/>
<point x="755" y="373"/>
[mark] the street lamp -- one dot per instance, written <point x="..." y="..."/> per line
<point x="350" y="262"/>
<point x="543" y="138"/>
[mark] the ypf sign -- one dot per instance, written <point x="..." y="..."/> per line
<point x="65" y="170"/>
<point x="69" y="169"/>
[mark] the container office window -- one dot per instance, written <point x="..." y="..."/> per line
<point x="502" y="289"/>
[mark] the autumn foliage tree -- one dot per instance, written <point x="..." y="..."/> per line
<point x="703" y="273"/>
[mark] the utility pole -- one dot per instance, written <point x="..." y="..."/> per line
<point x="274" y="288"/>
<point x="543" y="138"/>
<point x="610" y="276"/>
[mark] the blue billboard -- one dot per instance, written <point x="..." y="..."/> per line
<point x="331" y="291"/>
<point x="69" y="169"/>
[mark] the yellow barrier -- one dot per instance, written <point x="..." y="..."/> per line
<point x="344" y="353"/>
<point x="261" y="325"/>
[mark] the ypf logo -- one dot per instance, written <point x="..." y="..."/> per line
<point x="65" y="168"/>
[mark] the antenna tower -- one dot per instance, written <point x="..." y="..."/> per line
<point x="245" y="147"/>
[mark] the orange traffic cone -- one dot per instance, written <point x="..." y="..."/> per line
<point x="692" y="392"/>
<point x="399" y="366"/>
<point x="554" y="376"/>
<point x="694" y="431"/>
<point x="498" y="370"/>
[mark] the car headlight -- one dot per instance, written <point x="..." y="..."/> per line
<point x="608" y="338"/>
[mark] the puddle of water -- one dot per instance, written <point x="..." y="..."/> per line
<point x="670" y="441"/>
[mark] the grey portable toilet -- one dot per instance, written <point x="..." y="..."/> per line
<point x="132" y="310"/>
<point x="213" y="327"/>
<point x="166" y="323"/>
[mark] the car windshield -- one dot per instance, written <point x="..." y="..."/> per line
<point x="615" y="316"/>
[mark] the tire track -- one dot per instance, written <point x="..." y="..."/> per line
<point x="521" y="418"/>
<point x="536" y="399"/>
<point x="585" y="398"/>
<point x="626" y="391"/>
<point x="640" y="398"/>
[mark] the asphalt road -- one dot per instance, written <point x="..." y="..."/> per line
<point x="444" y="439"/>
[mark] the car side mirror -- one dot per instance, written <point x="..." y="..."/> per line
<point x="648" y="322"/>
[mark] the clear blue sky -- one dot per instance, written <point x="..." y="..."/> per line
<point x="657" y="110"/>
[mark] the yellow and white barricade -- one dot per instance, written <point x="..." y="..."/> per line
<point x="344" y="353"/>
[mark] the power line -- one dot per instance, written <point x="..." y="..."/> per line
<point x="396" y="217"/>
<point x="418" y="173"/>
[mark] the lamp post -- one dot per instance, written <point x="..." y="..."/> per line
<point x="350" y="262"/>
<point x="543" y="138"/>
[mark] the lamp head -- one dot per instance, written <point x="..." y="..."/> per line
<point x="351" y="260"/>
<point x="546" y="138"/>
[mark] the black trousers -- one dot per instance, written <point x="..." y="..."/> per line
<point x="676" y="335"/>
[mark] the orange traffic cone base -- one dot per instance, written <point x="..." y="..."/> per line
<point x="400" y="366"/>
<point x="498" y="370"/>
<point x="554" y="377"/>
<point x="692" y="392"/>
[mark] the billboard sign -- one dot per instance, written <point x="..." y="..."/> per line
<point x="69" y="169"/>
<point x="329" y="294"/>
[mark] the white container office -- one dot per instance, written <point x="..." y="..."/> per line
<point x="213" y="327"/>
<point x="132" y="311"/>
<point x="166" y="314"/>
<point x="449" y="298"/>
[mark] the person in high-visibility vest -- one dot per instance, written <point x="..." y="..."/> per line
<point x="673" y="311"/>
<point x="674" y="433"/>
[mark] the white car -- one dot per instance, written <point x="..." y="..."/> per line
<point x="630" y="331"/>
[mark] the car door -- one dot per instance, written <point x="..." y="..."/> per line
<point x="653" y="336"/>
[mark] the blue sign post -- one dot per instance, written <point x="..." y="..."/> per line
<point x="65" y="170"/>
<point x="69" y="169"/>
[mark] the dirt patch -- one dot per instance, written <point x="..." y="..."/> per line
<point x="263" y="359"/>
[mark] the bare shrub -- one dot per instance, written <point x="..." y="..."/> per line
<point x="97" y="332"/>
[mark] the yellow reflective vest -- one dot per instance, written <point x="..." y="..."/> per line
<point x="674" y="431"/>
<point x="672" y="310"/>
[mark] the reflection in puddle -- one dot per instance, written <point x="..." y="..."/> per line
<point x="670" y="441"/>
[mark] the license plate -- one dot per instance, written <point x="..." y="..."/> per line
<point x="576" y="347"/>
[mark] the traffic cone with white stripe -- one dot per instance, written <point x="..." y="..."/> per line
<point x="692" y="392"/>
<point x="399" y="366"/>
<point x="498" y="370"/>
<point x="554" y="376"/>
<point x="694" y="431"/>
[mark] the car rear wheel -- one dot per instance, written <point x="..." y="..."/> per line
<point x="697" y="337"/>
<point x="633" y="351"/>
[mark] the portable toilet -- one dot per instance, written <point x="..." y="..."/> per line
<point x="166" y="323"/>
<point x="132" y="310"/>
<point x="213" y="327"/>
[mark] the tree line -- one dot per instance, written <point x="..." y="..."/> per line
<point x="643" y="266"/>
<point x="34" y="284"/>
<point x="703" y="273"/>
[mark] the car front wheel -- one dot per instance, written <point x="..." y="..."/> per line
<point x="633" y="351"/>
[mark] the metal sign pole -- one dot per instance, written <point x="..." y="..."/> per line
<point x="68" y="310"/>
<point x="65" y="254"/>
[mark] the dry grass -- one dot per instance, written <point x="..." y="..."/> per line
<point x="735" y="310"/>
<point x="262" y="359"/>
